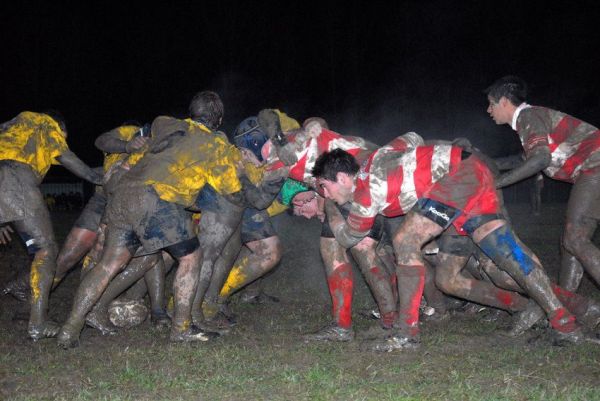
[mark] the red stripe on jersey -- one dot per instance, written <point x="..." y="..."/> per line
<point x="360" y="224"/>
<point x="398" y="144"/>
<point x="564" y="129"/>
<point x="534" y="141"/>
<point x="297" y="170"/>
<point x="455" y="158"/>
<point x="422" y="174"/>
<point x="394" y="186"/>
<point x="586" y="147"/>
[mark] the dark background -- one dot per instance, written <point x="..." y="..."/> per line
<point x="371" y="69"/>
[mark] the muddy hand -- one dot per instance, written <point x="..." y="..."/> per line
<point x="5" y="236"/>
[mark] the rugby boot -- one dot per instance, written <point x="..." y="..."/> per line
<point x="192" y="334"/>
<point x="218" y="324"/>
<point x="591" y="317"/>
<point x="98" y="319"/>
<point x="393" y="342"/>
<point x="525" y="319"/>
<point x="331" y="332"/>
<point x="575" y="337"/>
<point x="68" y="336"/>
<point x="48" y="329"/>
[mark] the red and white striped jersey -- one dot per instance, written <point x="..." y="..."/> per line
<point x="308" y="149"/>
<point x="391" y="181"/>
<point x="574" y="145"/>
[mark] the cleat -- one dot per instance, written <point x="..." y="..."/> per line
<point x="591" y="317"/>
<point x="392" y="343"/>
<point x="99" y="320"/>
<point x="575" y="337"/>
<point x="525" y="319"/>
<point x="48" y="329"/>
<point x="331" y="332"/>
<point x="192" y="334"/>
<point x="67" y="338"/>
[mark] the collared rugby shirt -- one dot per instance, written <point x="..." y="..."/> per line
<point x="573" y="144"/>
<point x="391" y="181"/>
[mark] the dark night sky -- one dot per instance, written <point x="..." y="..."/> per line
<point x="370" y="70"/>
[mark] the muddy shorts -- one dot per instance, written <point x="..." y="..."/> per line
<point x="20" y="196"/>
<point x="92" y="212"/>
<point x="256" y="225"/>
<point x="584" y="200"/>
<point x="136" y="215"/>
<point x="467" y="192"/>
<point x="376" y="231"/>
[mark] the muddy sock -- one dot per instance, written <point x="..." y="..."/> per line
<point x="340" y="283"/>
<point x="575" y="303"/>
<point x="411" y="280"/>
<point x="561" y="320"/>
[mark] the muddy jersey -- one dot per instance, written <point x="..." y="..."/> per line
<point x="183" y="156"/>
<point x="391" y="181"/>
<point x="34" y="139"/>
<point x="308" y="149"/>
<point x="124" y="133"/>
<point x="573" y="144"/>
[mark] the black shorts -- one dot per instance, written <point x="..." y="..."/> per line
<point x="137" y="215"/>
<point x="256" y="225"/>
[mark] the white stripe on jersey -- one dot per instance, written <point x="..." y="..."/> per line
<point x="408" y="191"/>
<point x="560" y="155"/>
<point x="440" y="161"/>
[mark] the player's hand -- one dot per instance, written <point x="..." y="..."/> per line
<point x="135" y="143"/>
<point x="5" y="232"/>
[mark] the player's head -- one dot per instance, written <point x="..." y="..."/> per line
<point x="207" y="108"/>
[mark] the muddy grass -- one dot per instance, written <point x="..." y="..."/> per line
<point x="264" y="358"/>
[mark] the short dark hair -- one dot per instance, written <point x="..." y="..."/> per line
<point x="207" y="108"/>
<point x="511" y="87"/>
<point x="337" y="161"/>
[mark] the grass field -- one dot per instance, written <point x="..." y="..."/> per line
<point x="264" y="358"/>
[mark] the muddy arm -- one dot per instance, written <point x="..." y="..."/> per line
<point x="260" y="197"/>
<point x="72" y="163"/>
<point x="344" y="235"/>
<point x="110" y="142"/>
<point x="538" y="160"/>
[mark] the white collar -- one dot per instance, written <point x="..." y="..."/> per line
<point x="518" y="110"/>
